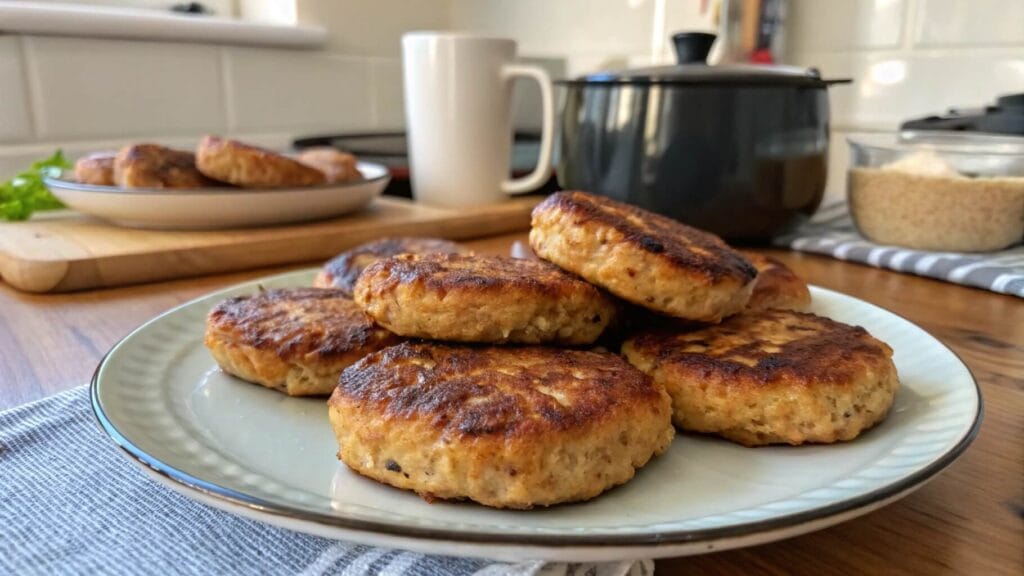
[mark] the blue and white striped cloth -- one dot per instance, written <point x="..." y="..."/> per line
<point x="70" y="504"/>
<point x="831" y="232"/>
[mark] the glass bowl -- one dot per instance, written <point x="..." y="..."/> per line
<point x="942" y="191"/>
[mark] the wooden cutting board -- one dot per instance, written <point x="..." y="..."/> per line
<point x="61" y="252"/>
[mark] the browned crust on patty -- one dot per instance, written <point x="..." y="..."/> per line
<point x="252" y="167"/>
<point x="690" y="249"/>
<point x="299" y="323"/>
<point x="497" y="392"/>
<point x="641" y="257"/>
<point x="776" y="286"/>
<point x="768" y="348"/>
<point x="155" y="166"/>
<point x="96" y="169"/>
<point x="295" y="340"/>
<point x="476" y="273"/>
<point x="343" y="270"/>
<point x="469" y="298"/>
<point x="507" y="427"/>
<point x="771" y="377"/>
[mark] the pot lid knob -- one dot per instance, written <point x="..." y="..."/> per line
<point x="693" y="47"/>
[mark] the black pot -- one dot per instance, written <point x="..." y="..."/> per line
<point x="737" y="150"/>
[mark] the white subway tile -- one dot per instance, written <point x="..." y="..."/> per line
<point x="15" y="119"/>
<point x="562" y="27"/>
<point x="89" y="88"/>
<point x="387" y="94"/>
<point x="373" y="28"/>
<point x="889" y="88"/>
<point x="686" y="16"/>
<point x="838" y="163"/>
<point x="969" y="22"/>
<point x="832" y="25"/>
<point x="295" y="90"/>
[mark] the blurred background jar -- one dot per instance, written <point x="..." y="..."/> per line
<point x="750" y="31"/>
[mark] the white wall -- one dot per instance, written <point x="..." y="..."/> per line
<point x="374" y="27"/>
<point x="590" y="35"/>
<point x="86" y="94"/>
<point x="907" y="59"/>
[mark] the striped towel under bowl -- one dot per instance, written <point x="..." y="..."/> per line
<point x="831" y="232"/>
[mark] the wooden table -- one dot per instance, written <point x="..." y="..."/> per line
<point x="969" y="520"/>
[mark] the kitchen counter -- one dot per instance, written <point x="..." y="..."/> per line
<point x="968" y="520"/>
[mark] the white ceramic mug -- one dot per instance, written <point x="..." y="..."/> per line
<point x="458" y="110"/>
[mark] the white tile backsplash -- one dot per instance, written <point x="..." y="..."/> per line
<point x="15" y="115"/>
<point x="969" y="22"/>
<point x="88" y="88"/>
<point x="834" y="25"/>
<point x="84" y="94"/>
<point x="297" y="90"/>
<point x="890" y="88"/>
<point x="373" y="27"/>
<point x="838" y="162"/>
<point x="605" y="28"/>
<point x="386" y="94"/>
<point x="688" y="16"/>
<point x="908" y="58"/>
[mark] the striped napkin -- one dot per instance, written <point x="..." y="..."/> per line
<point x="70" y="504"/>
<point x="831" y="232"/>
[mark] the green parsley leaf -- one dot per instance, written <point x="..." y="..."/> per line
<point x="26" y="193"/>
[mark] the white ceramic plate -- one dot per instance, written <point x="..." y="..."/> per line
<point x="260" y="454"/>
<point x="210" y="208"/>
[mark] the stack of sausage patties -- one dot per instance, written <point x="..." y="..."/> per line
<point x="498" y="393"/>
<point x="217" y="162"/>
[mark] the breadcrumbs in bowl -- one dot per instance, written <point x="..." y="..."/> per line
<point x="936" y="197"/>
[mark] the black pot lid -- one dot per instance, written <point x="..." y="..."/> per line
<point x="743" y="74"/>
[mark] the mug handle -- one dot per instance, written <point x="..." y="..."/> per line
<point x="542" y="172"/>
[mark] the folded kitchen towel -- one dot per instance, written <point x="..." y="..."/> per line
<point x="831" y="232"/>
<point x="71" y="504"/>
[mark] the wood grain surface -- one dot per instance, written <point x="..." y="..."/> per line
<point x="62" y="252"/>
<point x="968" y="520"/>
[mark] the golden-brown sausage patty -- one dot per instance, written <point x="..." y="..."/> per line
<point x="771" y="377"/>
<point x="336" y="165"/>
<point x="509" y="427"/>
<point x="482" y="299"/>
<point x="97" y="169"/>
<point x="155" y="166"/>
<point x="252" y="167"/>
<point x="295" y="340"/>
<point x="343" y="270"/>
<point x="776" y="286"/>
<point x="642" y="257"/>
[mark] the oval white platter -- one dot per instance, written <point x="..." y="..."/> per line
<point x="219" y="208"/>
<point x="260" y="454"/>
